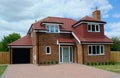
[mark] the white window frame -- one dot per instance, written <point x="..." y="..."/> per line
<point x="95" y="24"/>
<point x="54" y="26"/>
<point x="49" y="49"/>
<point x="100" y="53"/>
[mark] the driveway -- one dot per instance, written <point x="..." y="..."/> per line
<point x="57" y="71"/>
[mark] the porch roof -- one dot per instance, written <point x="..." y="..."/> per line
<point x="66" y="40"/>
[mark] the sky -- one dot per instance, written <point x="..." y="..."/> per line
<point x="18" y="15"/>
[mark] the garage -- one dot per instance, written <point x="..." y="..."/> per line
<point x="20" y="55"/>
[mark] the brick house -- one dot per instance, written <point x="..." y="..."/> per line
<point x="63" y="40"/>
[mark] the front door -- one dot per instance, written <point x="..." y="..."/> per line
<point x="66" y="54"/>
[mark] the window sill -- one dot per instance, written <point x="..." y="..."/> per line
<point x="48" y="53"/>
<point x="96" y="54"/>
<point x="93" y="31"/>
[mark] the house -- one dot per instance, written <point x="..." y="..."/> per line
<point x="63" y="40"/>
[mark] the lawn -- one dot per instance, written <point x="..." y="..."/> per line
<point x="2" y="69"/>
<point x="114" y="68"/>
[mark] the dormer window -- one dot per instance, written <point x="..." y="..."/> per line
<point x="93" y="27"/>
<point x="52" y="28"/>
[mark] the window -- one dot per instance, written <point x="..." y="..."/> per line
<point x="96" y="49"/>
<point x="93" y="28"/>
<point x="52" y="28"/>
<point x="48" y="50"/>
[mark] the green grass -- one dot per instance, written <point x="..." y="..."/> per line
<point x="2" y="69"/>
<point x="114" y="68"/>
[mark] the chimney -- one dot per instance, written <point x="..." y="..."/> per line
<point x="96" y="14"/>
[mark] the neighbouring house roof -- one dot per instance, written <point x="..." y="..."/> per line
<point x="24" y="41"/>
<point x="66" y="40"/>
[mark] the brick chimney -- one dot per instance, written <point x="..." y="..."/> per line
<point x="96" y="14"/>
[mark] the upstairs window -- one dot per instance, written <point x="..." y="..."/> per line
<point x="93" y="28"/>
<point x="52" y="28"/>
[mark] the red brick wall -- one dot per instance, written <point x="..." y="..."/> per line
<point x="83" y="31"/>
<point x="97" y="58"/>
<point x="46" y="39"/>
<point x="79" y="51"/>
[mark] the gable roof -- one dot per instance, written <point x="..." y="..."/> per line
<point x="24" y="41"/>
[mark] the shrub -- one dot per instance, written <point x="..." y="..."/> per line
<point x="103" y="63"/>
<point x="44" y="62"/>
<point x="109" y="63"/>
<point x="106" y="63"/>
<point x="40" y="62"/>
<point x="95" y="63"/>
<point x="87" y="63"/>
<point x="99" y="63"/>
<point x="113" y="63"/>
<point x="92" y="63"/>
<point x="56" y="62"/>
<point x="52" y="62"/>
<point x="48" y="62"/>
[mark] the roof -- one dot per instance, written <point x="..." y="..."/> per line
<point x="67" y="22"/>
<point x="88" y="19"/>
<point x="24" y="41"/>
<point x="66" y="40"/>
<point x="96" y="40"/>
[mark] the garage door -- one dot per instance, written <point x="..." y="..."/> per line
<point x="20" y="56"/>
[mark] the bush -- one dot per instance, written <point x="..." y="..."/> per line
<point x="48" y="62"/>
<point x="99" y="63"/>
<point x="56" y="62"/>
<point x="103" y="63"/>
<point x="113" y="63"/>
<point x="52" y="62"/>
<point x="95" y="63"/>
<point x="106" y="63"/>
<point x="44" y="62"/>
<point x="92" y="63"/>
<point x="87" y="63"/>
<point x="40" y="62"/>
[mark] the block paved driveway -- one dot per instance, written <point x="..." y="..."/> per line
<point x="57" y="71"/>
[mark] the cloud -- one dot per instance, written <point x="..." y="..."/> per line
<point x="16" y="10"/>
<point x="117" y="15"/>
<point x="113" y="29"/>
<point x="18" y="15"/>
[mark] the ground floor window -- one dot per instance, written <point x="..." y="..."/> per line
<point x="96" y="49"/>
<point x="48" y="50"/>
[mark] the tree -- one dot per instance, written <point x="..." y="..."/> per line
<point x="7" y="40"/>
<point x="116" y="44"/>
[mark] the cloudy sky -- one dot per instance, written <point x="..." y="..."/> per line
<point x="18" y="15"/>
